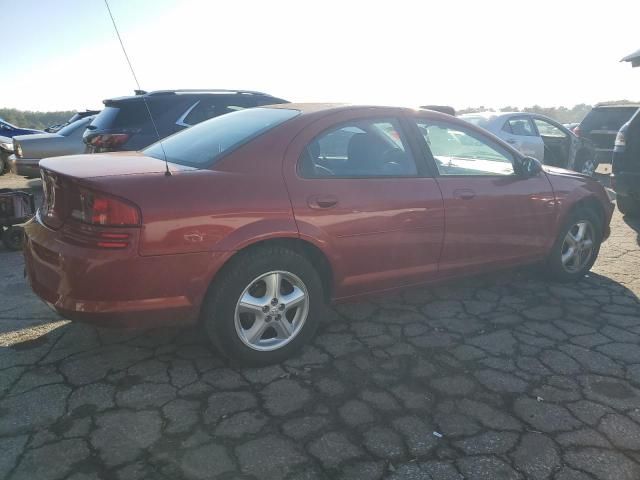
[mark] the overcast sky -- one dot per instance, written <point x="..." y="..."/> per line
<point x="64" y="55"/>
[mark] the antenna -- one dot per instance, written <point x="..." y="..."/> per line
<point x="167" y="172"/>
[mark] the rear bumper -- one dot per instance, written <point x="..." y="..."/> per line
<point x="116" y="287"/>
<point x="626" y="183"/>
<point x="27" y="167"/>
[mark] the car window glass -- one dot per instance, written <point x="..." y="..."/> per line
<point x="507" y="127"/>
<point x="214" y="107"/>
<point x="458" y="151"/>
<point x="203" y="144"/>
<point x="359" y="149"/>
<point x="548" y="130"/>
<point x="522" y="127"/>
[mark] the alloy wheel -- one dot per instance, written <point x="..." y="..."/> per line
<point x="271" y="310"/>
<point x="578" y="246"/>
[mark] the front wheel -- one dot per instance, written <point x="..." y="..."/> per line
<point x="264" y="307"/>
<point x="628" y="206"/>
<point x="576" y="248"/>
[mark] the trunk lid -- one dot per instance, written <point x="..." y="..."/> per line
<point x="108" y="164"/>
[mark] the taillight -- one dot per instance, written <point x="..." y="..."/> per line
<point x="109" y="140"/>
<point x="576" y="130"/>
<point x="96" y="208"/>
<point x="17" y="149"/>
<point x="621" y="140"/>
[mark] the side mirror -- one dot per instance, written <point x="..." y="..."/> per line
<point x="530" y="167"/>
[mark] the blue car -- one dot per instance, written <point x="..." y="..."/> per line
<point x="8" y="130"/>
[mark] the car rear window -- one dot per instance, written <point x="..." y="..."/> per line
<point x="126" y="115"/>
<point x="204" y="143"/>
<point x="603" y="118"/>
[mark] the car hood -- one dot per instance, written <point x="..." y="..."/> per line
<point x="108" y="165"/>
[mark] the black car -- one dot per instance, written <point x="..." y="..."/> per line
<point x="76" y="116"/>
<point x="625" y="171"/>
<point x="601" y="126"/>
<point x="125" y="124"/>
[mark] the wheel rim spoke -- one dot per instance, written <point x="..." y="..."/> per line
<point x="266" y="318"/>
<point x="566" y="257"/>
<point x="272" y="283"/>
<point x="255" y="333"/>
<point x="293" y="299"/>
<point x="250" y="304"/>
<point x="577" y="249"/>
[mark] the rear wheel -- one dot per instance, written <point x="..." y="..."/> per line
<point x="586" y="163"/>
<point x="576" y="247"/>
<point x="264" y="307"/>
<point x="13" y="238"/>
<point x="628" y="206"/>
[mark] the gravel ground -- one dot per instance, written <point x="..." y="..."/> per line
<point x="502" y="376"/>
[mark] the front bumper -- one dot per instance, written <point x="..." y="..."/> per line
<point x="116" y="287"/>
<point x="26" y="167"/>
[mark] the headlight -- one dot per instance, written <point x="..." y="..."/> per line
<point x="6" y="146"/>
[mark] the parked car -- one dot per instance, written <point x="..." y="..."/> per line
<point x="10" y="131"/>
<point x="625" y="170"/>
<point x="74" y="118"/>
<point x="30" y="149"/>
<point x="124" y="124"/>
<point x="6" y="149"/>
<point x="268" y="212"/>
<point x="601" y="125"/>
<point x="539" y="137"/>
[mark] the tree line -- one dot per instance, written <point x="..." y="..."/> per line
<point x="559" y="114"/>
<point x="37" y="120"/>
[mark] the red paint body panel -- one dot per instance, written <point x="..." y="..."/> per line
<point x="381" y="234"/>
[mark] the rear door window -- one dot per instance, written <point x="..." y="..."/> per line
<point x="521" y="126"/>
<point x="359" y="149"/>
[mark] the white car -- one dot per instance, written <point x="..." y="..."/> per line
<point x="539" y="137"/>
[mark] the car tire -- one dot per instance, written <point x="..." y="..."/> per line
<point x="13" y="238"/>
<point x="570" y="258"/>
<point x="586" y="163"/>
<point x="628" y="206"/>
<point x="270" y="280"/>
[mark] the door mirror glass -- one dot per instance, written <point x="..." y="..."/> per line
<point x="530" y="167"/>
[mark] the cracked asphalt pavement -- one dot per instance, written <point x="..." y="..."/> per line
<point x="503" y="376"/>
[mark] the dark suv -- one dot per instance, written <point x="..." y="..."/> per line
<point x="601" y="126"/>
<point x="124" y="124"/>
<point x="625" y="176"/>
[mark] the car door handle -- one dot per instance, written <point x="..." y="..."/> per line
<point x="322" y="201"/>
<point x="464" y="193"/>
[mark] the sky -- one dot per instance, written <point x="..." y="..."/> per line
<point x="64" y="54"/>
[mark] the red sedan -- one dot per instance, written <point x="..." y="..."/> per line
<point x="259" y="217"/>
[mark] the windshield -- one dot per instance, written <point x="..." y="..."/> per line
<point x="202" y="144"/>
<point x="70" y="128"/>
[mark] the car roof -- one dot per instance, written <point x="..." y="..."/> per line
<point x="182" y="93"/>
<point x="324" y="108"/>
<point x="616" y="105"/>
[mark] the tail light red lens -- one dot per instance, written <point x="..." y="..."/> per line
<point x="109" y="140"/>
<point x="99" y="209"/>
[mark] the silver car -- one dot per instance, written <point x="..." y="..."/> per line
<point x="539" y="137"/>
<point x="30" y="149"/>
